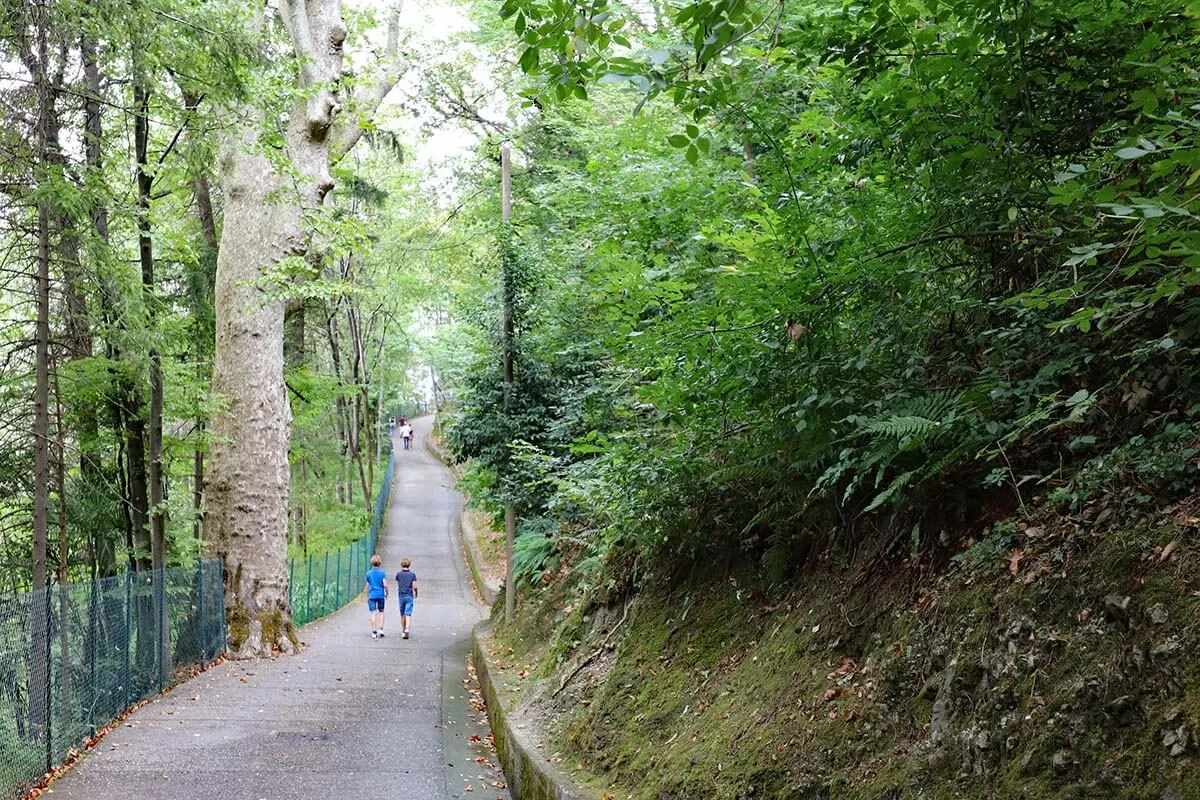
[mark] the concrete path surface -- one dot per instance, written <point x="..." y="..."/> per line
<point x="349" y="716"/>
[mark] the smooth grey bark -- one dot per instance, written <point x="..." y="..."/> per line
<point x="247" y="482"/>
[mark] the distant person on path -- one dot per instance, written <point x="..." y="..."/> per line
<point x="406" y="588"/>
<point x="376" y="580"/>
<point x="406" y="432"/>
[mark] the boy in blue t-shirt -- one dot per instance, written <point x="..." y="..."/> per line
<point x="376" y="580"/>
<point x="406" y="589"/>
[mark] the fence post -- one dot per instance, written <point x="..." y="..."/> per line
<point x="337" y="595"/>
<point x="200" y="611"/>
<point x="160" y="622"/>
<point x="221" y="605"/>
<point x="93" y="613"/>
<point x="49" y="683"/>
<point x="325" y="585"/>
<point x="128" y="633"/>
<point x="308" y="590"/>
<point x="292" y="586"/>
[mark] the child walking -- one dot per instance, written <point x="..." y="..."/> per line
<point x="376" y="580"/>
<point x="406" y="588"/>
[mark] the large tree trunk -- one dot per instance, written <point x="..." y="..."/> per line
<point x="247" y="481"/>
<point x="247" y="496"/>
<point x="39" y="674"/>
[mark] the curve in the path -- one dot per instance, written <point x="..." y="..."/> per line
<point x="348" y="717"/>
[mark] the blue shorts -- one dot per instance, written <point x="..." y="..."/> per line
<point x="406" y="605"/>
<point x="375" y="603"/>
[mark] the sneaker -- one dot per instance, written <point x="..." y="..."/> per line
<point x="406" y="634"/>
<point x="381" y="634"/>
<point x="374" y="635"/>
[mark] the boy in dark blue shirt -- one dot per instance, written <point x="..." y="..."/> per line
<point x="406" y="588"/>
<point x="376" y="580"/>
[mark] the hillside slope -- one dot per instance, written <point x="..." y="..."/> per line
<point x="1056" y="659"/>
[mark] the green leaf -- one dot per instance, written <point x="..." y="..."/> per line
<point x="1078" y="397"/>
<point x="692" y="154"/>
<point x="529" y="60"/>
<point x="678" y="140"/>
<point x="1130" y="153"/>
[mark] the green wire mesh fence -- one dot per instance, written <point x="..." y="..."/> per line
<point x="320" y="585"/>
<point x="73" y="657"/>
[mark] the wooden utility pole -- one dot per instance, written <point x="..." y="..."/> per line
<point x="510" y="513"/>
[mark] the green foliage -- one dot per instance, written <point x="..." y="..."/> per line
<point x="876" y="270"/>
<point x="533" y="552"/>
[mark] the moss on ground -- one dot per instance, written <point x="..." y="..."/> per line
<point x="1060" y="666"/>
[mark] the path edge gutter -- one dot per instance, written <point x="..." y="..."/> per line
<point x="467" y="539"/>
<point x="529" y="774"/>
<point x="467" y="536"/>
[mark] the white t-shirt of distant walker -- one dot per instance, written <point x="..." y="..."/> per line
<point x="406" y="430"/>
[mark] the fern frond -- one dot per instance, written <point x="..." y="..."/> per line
<point x="900" y="427"/>
<point x="914" y="419"/>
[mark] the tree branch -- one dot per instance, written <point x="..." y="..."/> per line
<point x="295" y="17"/>
<point x="942" y="237"/>
<point x="350" y="131"/>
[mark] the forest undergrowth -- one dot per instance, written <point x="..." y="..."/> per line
<point x="851" y="432"/>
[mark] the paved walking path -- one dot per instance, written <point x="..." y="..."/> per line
<point x="348" y="717"/>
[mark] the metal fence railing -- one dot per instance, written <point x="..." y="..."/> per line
<point x="73" y="657"/>
<point x="320" y="585"/>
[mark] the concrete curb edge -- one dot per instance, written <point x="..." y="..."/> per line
<point x="530" y="776"/>
<point x="466" y="534"/>
<point x="488" y="592"/>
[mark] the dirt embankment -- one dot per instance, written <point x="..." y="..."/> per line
<point x="1046" y="660"/>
